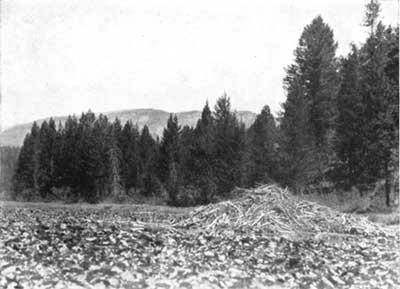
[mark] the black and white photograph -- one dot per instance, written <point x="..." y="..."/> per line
<point x="199" y="144"/>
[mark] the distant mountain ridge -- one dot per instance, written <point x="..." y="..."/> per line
<point x="155" y="119"/>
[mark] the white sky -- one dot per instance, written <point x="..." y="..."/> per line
<point x="65" y="56"/>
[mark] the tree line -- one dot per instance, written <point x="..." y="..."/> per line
<point x="93" y="159"/>
<point x="338" y="129"/>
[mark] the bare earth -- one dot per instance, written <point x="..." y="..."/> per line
<point x="123" y="246"/>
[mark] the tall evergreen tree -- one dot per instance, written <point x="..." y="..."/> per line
<point x="311" y="85"/>
<point x="201" y="165"/>
<point x="227" y="144"/>
<point x="130" y="155"/>
<point x="187" y="166"/>
<point x="58" y="157"/>
<point x="169" y="158"/>
<point x="26" y="172"/>
<point x="368" y="106"/>
<point x="372" y="10"/>
<point x="350" y="120"/>
<point x="23" y="177"/>
<point x="380" y="94"/>
<point x="103" y="141"/>
<point x="68" y="160"/>
<point x="87" y="158"/>
<point x="296" y="156"/>
<point x="8" y="163"/>
<point x="115" y="158"/>
<point x="47" y="137"/>
<point x="148" y="157"/>
<point x="261" y="164"/>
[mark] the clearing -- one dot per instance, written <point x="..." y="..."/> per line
<point x="263" y="238"/>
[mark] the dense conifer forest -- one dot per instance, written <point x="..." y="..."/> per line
<point x="338" y="129"/>
<point x="96" y="202"/>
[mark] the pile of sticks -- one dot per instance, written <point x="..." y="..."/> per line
<point x="275" y="210"/>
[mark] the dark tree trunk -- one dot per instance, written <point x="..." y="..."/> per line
<point x="387" y="192"/>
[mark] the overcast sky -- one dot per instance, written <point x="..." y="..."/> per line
<point x="66" y="56"/>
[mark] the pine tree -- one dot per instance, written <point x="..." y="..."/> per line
<point x="173" y="184"/>
<point x="169" y="157"/>
<point x="130" y="155"/>
<point x="103" y="141"/>
<point x="380" y="94"/>
<point x="311" y="85"/>
<point x="23" y="177"/>
<point x="116" y="189"/>
<point x="350" y="120"/>
<point x="374" y="92"/>
<point x="68" y="159"/>
<point x="169" y="149"/>
<point x="88" y="156"/>
<point x="26" y="172"/>
<point x="368" y="107"/>
<point x="148" y="157"/>
<point x="8" y="162"/>
<point x="261" y="146"/>
<point x="371" y="14"/>
<point x="296" y="154"/>
<point x="392" y="113"/>
<point x="227" y="143"/>
<point x="58" y="157"/>
<point x="47" y="136"/>
<point x="202" y="161"/>
<point x="187" y="166"/>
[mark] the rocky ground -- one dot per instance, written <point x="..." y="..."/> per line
<point x="264" y="238"/>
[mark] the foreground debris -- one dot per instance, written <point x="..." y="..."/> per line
<point x="265" y="237"/>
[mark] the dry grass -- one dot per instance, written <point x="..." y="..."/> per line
<point x="385" y="219"/>
<point x="349" y="201"/>
<point x="140" y="208"/>
<point x="375" y="209"/>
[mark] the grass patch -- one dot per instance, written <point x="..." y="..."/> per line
<point x="385" y="219"/>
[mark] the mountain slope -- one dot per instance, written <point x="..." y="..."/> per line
<point x="155" y="120"/>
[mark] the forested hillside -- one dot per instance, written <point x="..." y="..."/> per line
<point x="338" y="131"/>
